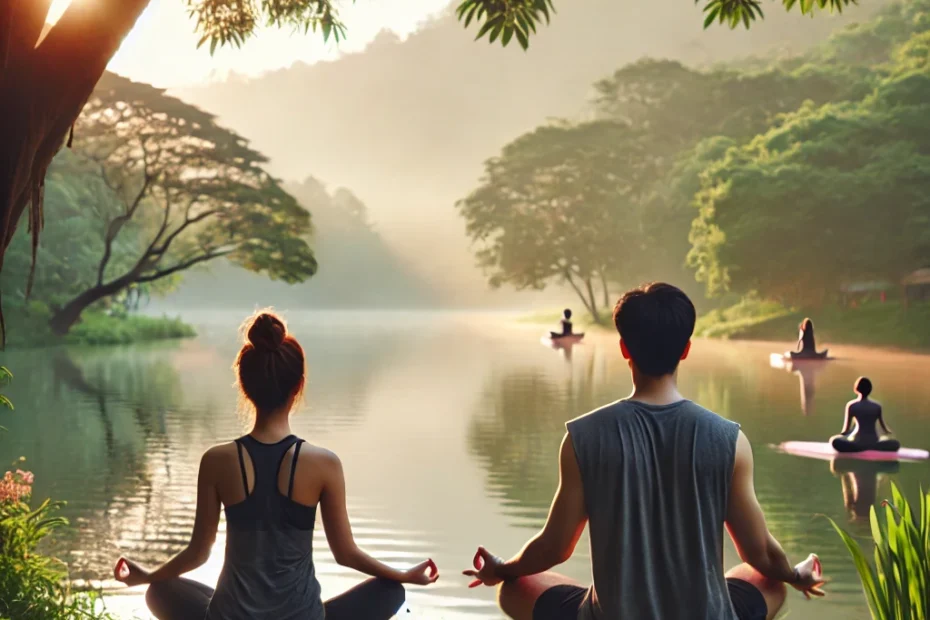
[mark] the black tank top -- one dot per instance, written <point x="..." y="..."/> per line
<point x="268" y="571"/>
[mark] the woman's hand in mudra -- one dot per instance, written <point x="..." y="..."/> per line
<point x="130" y="573"/>
<point x="422" y="574"/>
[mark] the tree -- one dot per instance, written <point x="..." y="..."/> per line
<point x="561" y="203"/>
<point x="193" y="190"/>
<point x="829" y="196"/>
<point x="46" y="82"/>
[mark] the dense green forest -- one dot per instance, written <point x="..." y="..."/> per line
<point x="153" y="187"/>
<point x="790" y="180"/>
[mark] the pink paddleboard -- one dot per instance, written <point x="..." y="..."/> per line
<point x="825" y="451"/>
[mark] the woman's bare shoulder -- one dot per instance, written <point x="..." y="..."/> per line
<point x="318" y="456"/>
<point x="220" y="453"/>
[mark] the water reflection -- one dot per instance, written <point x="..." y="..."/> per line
<point x="119" y="432"/>
<point x="860" y="480"/>
<point x="563" y="347"/>
<point x="807" y="377"/>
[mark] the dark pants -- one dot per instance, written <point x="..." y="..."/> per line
<point x="842" y="444"/>
<point x="564" y="602"/>
<point x="184" y="599"/>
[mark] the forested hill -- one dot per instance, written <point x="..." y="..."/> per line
<point x="356" y="268"/>
<point x="407" y="123"/>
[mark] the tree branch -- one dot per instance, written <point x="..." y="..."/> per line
<point x="160" y="251"/>
<point x="116" y="225"/>
<point x="182" y="266"/>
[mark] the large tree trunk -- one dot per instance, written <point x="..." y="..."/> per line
<point x="62" y="321"/>
<point x="593" y="302"/>
<point x="44" y="87"/>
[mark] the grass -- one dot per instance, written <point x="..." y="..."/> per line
<point x="888" y="324"/>
<point x="27" y="327"/>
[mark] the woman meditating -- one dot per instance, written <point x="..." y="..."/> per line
<point x="270" y="484"/>
<point x="866" y="414"/>
<point x="807" y="346"/>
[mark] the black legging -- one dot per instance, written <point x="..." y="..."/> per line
<point x="843" y="444"/>
<point x="184" y="599"/>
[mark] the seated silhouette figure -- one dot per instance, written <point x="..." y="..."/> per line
<point x="866" y="414"/>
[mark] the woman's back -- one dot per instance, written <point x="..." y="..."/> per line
<point x="866" y="413"/>
<point x="268" y="571"/>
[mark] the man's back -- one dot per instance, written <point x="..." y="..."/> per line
<point x="656" y="484"/>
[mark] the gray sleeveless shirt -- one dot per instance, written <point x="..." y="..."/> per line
<point x="268" y="572"/>
<point x="656" y="485"/>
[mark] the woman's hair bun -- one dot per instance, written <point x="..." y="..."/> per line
<point x="267" y="332"/>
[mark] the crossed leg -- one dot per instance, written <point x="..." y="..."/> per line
<point x="774" y="592"/>
<point x="518" y="598"/>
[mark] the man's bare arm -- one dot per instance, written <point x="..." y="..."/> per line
<point x="746" y="522"/>
<point x="567" y="518"/>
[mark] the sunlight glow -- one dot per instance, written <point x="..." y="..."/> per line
<point x="162" y="49"/>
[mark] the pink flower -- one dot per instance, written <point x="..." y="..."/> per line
<point x="15" y="487"/>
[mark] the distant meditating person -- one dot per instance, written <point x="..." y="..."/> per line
<point x="807" y="347"/>
<point x="271" y="484"/>
<point x="566" y="325"/>
<point x="866" y="414"/>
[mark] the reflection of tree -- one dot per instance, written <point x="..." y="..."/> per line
<point x="89" y="431"/>
<point x="517" y="431"/>
<point x="860" y="481"/>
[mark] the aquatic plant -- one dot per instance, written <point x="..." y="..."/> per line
<point x="35" y="586"/>
<point x="897" y="587"/>
<point x="5" y="377"/>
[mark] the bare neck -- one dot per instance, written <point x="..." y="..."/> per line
<point x="271" y="427"/>
<point x="655" y="390"/>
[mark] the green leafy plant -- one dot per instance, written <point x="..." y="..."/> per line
<point x="736" y="12"/>
<point x="35" y="586"/>
<point x="898" y="586"/>
<point x="5" y="377"/>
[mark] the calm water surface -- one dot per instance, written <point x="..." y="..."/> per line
<point x="448" y="427"/>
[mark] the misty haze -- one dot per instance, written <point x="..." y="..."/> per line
<point x="450" y="310"/>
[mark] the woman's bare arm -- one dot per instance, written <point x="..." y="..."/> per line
<point x="206" y="522"/>
<point x="339" y="532"/>
<point x="847" y="422"/>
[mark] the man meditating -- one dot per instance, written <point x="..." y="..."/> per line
<point x="656" y="477"/>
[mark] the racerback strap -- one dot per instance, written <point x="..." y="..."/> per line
<point x="290" y="484"/>
<point x="245" y="478"/>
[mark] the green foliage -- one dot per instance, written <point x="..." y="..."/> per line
<point x="506" y="19"/>
<point x="97" y="329"/>
<point x="897" y="587"/>
<point x="733" y="320"/>
<point x="887" y="324"/>
<point x="736" y="12"/>
<point x="836" y="166"/>
<point x="34" y="586"/>
<point x="5" y="377"/>
<point x="222" y="22"/>
<point x="560" y="204"/>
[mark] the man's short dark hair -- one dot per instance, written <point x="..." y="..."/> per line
<point x="655" y="321"/>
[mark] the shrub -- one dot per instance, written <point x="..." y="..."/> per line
<point x="898" y="586"/>
<point x="34" y="586"/>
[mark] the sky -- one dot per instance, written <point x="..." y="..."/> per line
<point x="162" y="48"/>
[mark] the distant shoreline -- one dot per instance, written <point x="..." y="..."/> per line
<point x="889" y="326"/>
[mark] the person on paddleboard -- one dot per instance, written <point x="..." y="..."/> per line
<point x="867" y="415"/>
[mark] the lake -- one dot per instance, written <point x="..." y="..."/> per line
<point x="448" y="426"/>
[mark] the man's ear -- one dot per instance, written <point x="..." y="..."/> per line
<point x="687" y="350"/>
<point x="623" y="350"/>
